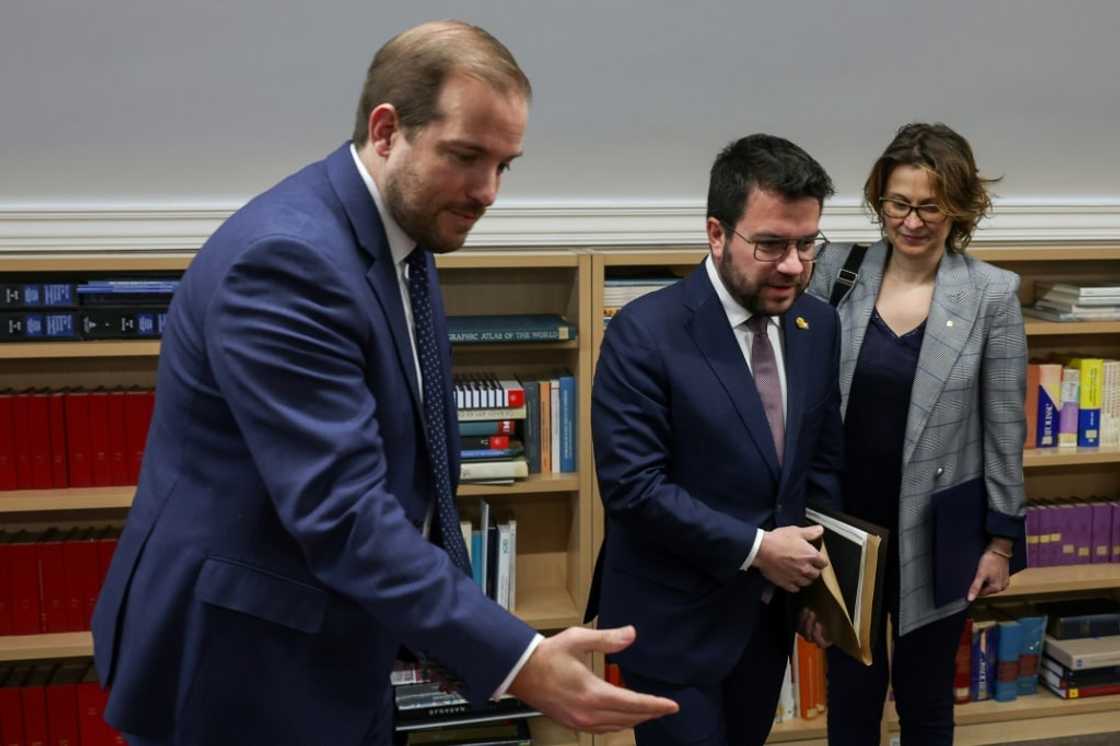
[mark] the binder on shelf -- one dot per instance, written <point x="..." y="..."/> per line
<point x="847" y="597"/>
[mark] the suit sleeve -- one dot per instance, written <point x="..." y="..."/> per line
<point x="826" y="471"/>
<point x="287" y="345"/>
<point x="1003" y="385"/>
<point x="631" y="427"/>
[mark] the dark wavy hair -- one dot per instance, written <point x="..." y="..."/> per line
<point x="959" y="189"/>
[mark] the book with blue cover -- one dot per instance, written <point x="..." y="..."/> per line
<point x="491" y="329"/>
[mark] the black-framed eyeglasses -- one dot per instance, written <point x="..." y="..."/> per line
<point x="899" y="210"/>
<point x="773" y="249"/>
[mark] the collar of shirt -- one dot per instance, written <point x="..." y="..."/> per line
<point x="736" y="314"/>
<point x="400" y="245"/>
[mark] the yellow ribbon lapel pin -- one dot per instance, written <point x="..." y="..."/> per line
<point x="801" y="322"/>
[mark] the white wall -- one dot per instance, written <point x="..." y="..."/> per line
<point x="147" y="104"/>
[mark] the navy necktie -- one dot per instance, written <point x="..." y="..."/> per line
<point x="445" y="526"/>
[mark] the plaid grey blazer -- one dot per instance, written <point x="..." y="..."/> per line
<point x="966" y="417"/>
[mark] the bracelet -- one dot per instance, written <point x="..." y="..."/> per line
<point x="999" y="553"/>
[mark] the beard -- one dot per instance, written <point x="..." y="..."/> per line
<point x="747" y="292"/>
<point x="417" y="211"/>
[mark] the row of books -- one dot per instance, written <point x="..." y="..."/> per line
<point x="1071" y="646"/>
<point x="1075" y="301"/>
<point x="1072" y="533"/>
<point x="49" y="579"/>
<point x="54" y="703"/>
<point x="107" y="291"/>
<point x="538" y="416"/>
<point x="108" y="308"/>
<point x="618" y="290"/>
<point x="1073" y="403"/>
<point x="492" y="549"/>
<point x="998" y="658"/>
<point x="73" y="438"/>
<point x="804" y="685"/>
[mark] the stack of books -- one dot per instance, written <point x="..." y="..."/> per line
<point x="618" y="290"/>
<point x="1080" y="301"/>
<point x="513" y="427"/>
<point x="1072" y="531"/>
<point x="430" y="710"/>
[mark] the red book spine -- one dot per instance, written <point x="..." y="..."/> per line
<point x="106" y="545"/>
<point x="92" y="700"/>
<point x="33" y="695"/>
<point x="7" y="443"/>
<point x="99" y="438"/>
<point x="11" y="715"/>
<point x="7" y="594"/>
<point x="78" y="446"/>
<point x="21" y="425"/>
<point x="57" y="423"/>
<point x="136" y="432"/>
<point x="82" y="581"/>
<point x="24" y="562"/>
<point x="52" y="574"/>
<point x="40" y="436"/>
<point x="118" y="440"/>
<point x="62" y="712"/>
<point x="962" y="671"/>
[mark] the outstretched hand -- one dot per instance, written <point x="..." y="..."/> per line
<point x="556" y="681"/>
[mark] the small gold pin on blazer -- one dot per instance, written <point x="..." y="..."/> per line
<point x="801" y="322"/>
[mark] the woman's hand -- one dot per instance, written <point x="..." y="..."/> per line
<point x="992" y="575"/>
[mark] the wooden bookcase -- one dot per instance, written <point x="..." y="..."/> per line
<point x="1049" y="474"/>
<point x="553" y="511"/>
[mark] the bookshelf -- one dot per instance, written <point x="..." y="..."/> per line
<point x="1049" y="473"/>
<point x="553" y="510"/>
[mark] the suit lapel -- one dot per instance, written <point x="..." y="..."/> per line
<point x="381" y="275"/>
<point x="796" y="353"/>
<point x="855" y="314"/>
<point x="951" y="317"/>
<point x="717" y="343"/>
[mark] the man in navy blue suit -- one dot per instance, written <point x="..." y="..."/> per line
<point x="715" y="417"/>
<point x="294" y="524"/>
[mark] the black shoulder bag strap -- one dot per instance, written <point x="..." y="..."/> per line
<point x="848" y="275"/>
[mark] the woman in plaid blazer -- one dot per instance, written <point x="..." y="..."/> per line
<point x="933" y="377"/>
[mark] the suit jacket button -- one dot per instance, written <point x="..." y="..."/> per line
<point x="939" y="472"/>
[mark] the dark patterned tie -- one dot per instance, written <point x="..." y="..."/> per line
<point x="764" y="369"/>
<point x="445" y="527"/>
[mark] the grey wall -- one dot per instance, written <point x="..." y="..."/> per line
<point x="148" y="102"/>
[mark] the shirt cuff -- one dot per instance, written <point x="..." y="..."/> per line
<point x="501" y="690"/>
<point x="759" y="533"/>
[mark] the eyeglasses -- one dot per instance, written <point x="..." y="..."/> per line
<point x="899" y="210"/>
<point x="776" y="249"/>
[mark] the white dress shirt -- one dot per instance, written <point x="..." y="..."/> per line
<point x="737" y="317"/>
<point x="400" y="246"/>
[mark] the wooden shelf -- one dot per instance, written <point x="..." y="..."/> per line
<point x="1037" y="327"/>
<point x="75" y="498"/>
<point x="36" y="647"/>
<point x="1062" y="579"/>
<point x="796" y="730"/>
<point x="1053" y="457"/>
<point x="1044" y="253"/>
<point x="1035" y="716"/>
<point x="138" y="261"/>
<point x="501" y="259"/>
<point x="547" y="608"/>
<point x="107" y="348"/>
<point x="536" y="483"/>
<point x="547" y="732"/>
